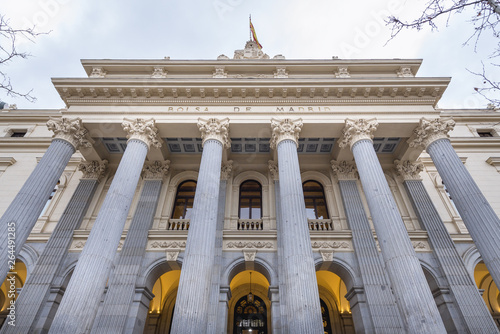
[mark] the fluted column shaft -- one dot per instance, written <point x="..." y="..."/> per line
<point x="217" y="322"/>
<point x="31" y="199"/>
<point x="385" y="315"/>
<point x="476" y="316"/>
<point x="478" y="215"/>
<point x="302" y="297"/>
<point x="121" y="286"/>
<point x="410" y="288"/>
<point x="36" y="290"/>
<point x="193" y="294"/>
<point x="281" y="275"/>
<point x="82" y="297"/>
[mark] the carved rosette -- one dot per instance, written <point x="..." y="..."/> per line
<point x="430" y="130"/>
<point x="70" y="130"/>
<point x="93" y="170"/>
<point x="98" y="72"/>
<point x="155" y="170"/>
<point x="273" y="169"/>
<point x="159" y="72"/>
<point x="143" y="130"/>
<point x="285" y="129"/>
<point x="409" y="170"/>
<point x="345" y="170"/>
<point x="214" y="128"/>
<point x="226" y="170"/>
<point x="355" y="131"/>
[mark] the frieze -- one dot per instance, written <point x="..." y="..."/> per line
<point x="344" y="245"/>
<point x="167" y="244"/>
<point x="250" y="244"/>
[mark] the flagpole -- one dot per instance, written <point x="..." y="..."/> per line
<point x="250" y="23"/>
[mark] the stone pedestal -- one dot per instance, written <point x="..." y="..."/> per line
<point x="475" y="317"/>
<point x="478" y="215"/>
<point x="36" y="290"/>
<point x="413" y="296"/>
<point x="23" y="212"/>
<point x="384" y="313"/>
<point x="302" y="296"/>
<point x="79" y="305"/>
<point x="193" y="294"/>
<point x="121" y="285"/>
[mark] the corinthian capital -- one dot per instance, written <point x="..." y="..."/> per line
<point x="93" y="170"/>
<point x="409" y="170"/>
<point x="156" y="170"/>
<point x="70" y="130"/>
<point x="143" y="130"/>
<point x="226" y="169"/>
<point x="430" y="130"/>
<point x="285" y="129"/>
<point x="355" y="131"/>
<point x="214" y="128"/>
<point x="345" y="170"/>
<point x="273" y="169"/>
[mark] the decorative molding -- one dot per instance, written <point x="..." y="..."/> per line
<point x="495" y="162"/>
<point x="214" y="128"/>
<point x="249" y="255"/>
<point x="430" y="130"/>
<point x="226" y="170"/>
<point x="98" y="72"/>
<point x="143" y="130"/>
<point x="156" y="170"/>
<point x="167" y="244"/>
<point x="356" y="130"/>
<point x="326" y="255"/>
<point x="251" y="51"/>
<point x="6" y="162"/>
<point x="409" y="170"/>
<point x="172" y="255"/>
<point x="220" y="72"/>
<point x="159" y="72"/>
<point x="250" y="244"/>
<point x="405" y="71"/>
<point x="342" y="72"/>
<point x="285" y="129"/>
<point x="70" y="130"/>
<point x="421" y="246"/>
<point x="93" y="170"/>
<point x="281" y="72"/>
<point x="273" y="169"/>
<point x="324" y="245"/>
<point x="345" y="170"/>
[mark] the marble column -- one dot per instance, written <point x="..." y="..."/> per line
<point x="81" y="300"/>
<point x="121" y="285"/>
<point x="384" y="313"/>
<point x="475" y="316"/>
<point x="193" y="294"/>
<point x="281" y="318"/>
<point x="478" y="215"/>
<point x="302" y="296"/>
<point x="413" y="296"/>
<point x="217" y="320"/>
<point x="23" y="212"/>
<point x="36" y="290"/>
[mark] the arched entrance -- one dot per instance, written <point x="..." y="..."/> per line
<point x="335" y="308"/>
<point x="10" y="289"/>
<point x="249" y="307"/>
<point x="161" y="307"/>
<point x="491" y="295"/>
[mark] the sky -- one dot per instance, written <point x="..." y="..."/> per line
<point x="204" y="29"/>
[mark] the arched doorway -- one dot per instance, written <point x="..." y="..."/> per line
<point x="161" y="307"/>
<point x="335" y="308"/>
<point x="487" y="286"/>
<point x="249" y="307"/>
<point x="10" y="289"/>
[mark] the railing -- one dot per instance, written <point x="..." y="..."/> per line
<point x="178" y="225"/>
<point x="250" y="224"/>
<point x="320" y="225"/>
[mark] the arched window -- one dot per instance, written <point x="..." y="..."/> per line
<point x="183" y="205"/>
<point x="250" y="200"/>
<point x="314" y="197"/>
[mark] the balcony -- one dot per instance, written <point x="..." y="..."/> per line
<point x="178" y="225"/>
<point x="320" y="224"/>
<point x="250" y="224"/>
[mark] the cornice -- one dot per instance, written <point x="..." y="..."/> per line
<point x="476" y="142"/>
<point x="18" y="144"/>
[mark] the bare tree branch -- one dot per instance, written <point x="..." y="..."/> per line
<point x="9" y="39"/>
<point x="485" y="19"/>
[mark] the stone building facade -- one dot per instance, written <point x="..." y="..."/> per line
<point x="250" y="195"/>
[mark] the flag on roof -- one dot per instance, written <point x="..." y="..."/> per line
<point x="254" y="35"/>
